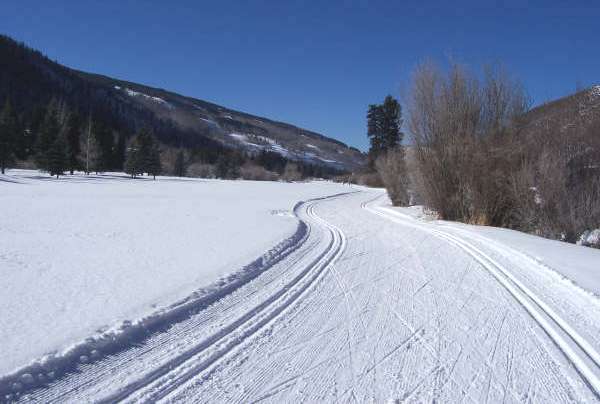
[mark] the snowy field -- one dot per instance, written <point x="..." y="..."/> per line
<point x="258" y="298"/>
<point x="82" y="254"/>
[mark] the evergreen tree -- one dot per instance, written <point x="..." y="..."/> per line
<point x="73" y="142"/>
<point x="180" y="166"/>
<point x="132" y="160"/>
<point x="145" y="143"/>
<point x="374" y="128"/>
<point x="392" y="123"/>
<point x="119" y="154"/>
<point x="8" y="135"/>
<point x="103" y="147"/>
<point x="155" y="167"/>
<point x="222" y="167"/>
<point x="57" y="157"/>
<point x="48" y="133"/>
<point x="383" y="127"/>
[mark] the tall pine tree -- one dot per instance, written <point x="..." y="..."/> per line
<point x="132" y="160"/>
<point x="155" y="166"/>
<point x="48" y="133"/>
<point x="384" y="122"/>
<point x="73" y="142"/>
<point x="180" y="166"/>
<point x="8" y="135"/>
<point x="57" y="158"/>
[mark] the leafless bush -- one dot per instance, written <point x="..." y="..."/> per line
<point x="462" y="128"/>
<point x="201" y="170"/>
<point x="291" y="172"/>
<point x="250" y="171"/>
<point x="368" y="179"/>
<point x="392" y="170"/>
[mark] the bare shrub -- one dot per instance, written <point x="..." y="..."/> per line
<point x="368" y="179"/>
<point x="392" y="170"/>
<point x="201" y="170"/>
<point x="462" y="129"/>
<point x="291" y="172"/>
<point x="254" y="172"/>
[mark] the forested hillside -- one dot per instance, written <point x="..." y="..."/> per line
<point x="59" y="119"/>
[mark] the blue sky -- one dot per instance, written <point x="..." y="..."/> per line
<point x="316" y="64"/>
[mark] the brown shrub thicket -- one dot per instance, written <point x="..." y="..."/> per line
<point x="462" y="128"/>
<point x="254" y="172"/>
<point x="475" y="160"/>
<point x="291" y="172"/>
<point x="393" y="173"/>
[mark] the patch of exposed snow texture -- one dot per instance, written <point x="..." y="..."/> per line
<point x="227" y="117"/>
<point x="89" y="255"/>
<point x="312" y="146"/>
<point x="213" y="123"/>
<point x="595" y="91"/>
<point x="265" y="143"/>
<point x="133" y="93"/>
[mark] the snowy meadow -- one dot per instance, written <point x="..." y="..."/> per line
<point x="82" y="254"/>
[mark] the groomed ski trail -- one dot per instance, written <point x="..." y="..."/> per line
<point x="576" y="348"/>
<point x="367" y="306"/>
<point x="314" y="248"/>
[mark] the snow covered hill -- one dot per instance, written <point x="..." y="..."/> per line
<point x="349" y="300"/>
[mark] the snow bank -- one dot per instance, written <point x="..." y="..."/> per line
<point x="84" y="255"/>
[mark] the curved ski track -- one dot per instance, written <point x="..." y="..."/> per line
<point x="582" y="355"/>
<point x="150" y="386"/>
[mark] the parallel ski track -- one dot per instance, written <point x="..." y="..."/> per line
<point x="577" y="350"/>
<point x="167" y="378"/>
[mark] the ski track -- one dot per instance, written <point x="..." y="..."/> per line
<point x="369" y="305"/>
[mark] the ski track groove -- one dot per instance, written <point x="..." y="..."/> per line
<point x="542" y="314"/>
<point x="314" y="272"/>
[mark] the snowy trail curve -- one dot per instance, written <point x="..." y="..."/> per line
<point x="578" y="350"/>
<point x="320" y="245"/>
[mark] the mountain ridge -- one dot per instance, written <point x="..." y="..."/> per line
<point x="30" y="78"/>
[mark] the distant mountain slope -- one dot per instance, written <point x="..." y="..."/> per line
<point x="32" y="80"/>
<point x="574" y="114"/>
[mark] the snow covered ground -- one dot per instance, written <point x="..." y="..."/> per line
<point x="83" y="254"/>
<point x="363" y="302"/>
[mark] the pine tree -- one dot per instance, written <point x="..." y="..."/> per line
<point x="392" y="123"/>
<point x="132" y="160"/>
<point x="155" y="167"/>
<point x="383" y="127"/>
<point x="145" y="143"/>
<point x="374" y="128"/>
<point x="222" y="167"/>
<point x="102" y="147"/>
<point x="73" y="142"/>
<point x="8" y="135"/>
<point x="180" y="166"/>
<point x="48" y="133"/>
<point x="119" y="154"/>
<point x="57" y="159"/>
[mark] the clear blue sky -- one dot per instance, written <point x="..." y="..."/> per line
<point x="317" y="64"/>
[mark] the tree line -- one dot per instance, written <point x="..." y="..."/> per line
<point x="62" y="139"/>
<point x="60" y="120"/>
